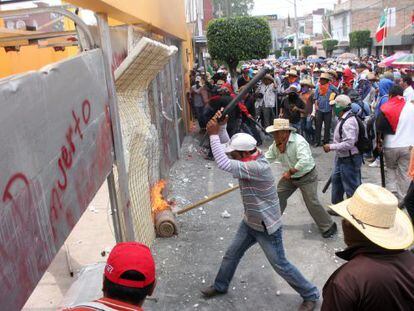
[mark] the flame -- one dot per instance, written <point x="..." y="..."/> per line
<point x="157" y="201"/>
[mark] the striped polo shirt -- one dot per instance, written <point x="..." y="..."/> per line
<point x="259" y="195"/>
<point x="257" y="186"/>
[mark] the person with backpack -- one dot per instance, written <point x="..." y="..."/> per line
<point x="346" y="175"/>
<point x="358" y="107"/>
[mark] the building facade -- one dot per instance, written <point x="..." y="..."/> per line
<point x="355" y="15"/>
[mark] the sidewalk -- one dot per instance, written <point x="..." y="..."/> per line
<point x="91" y="235"/>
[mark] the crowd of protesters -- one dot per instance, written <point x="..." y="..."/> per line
<point x="332" y="103"/>
<point x="356" y="109"/>
<point x="365" y="114"/>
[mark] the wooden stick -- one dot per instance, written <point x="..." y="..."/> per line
<point x="213" y="197"/>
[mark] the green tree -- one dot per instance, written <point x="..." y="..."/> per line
<point x="329" y="45"/>
<point x="360" y="39"/>
<point x="229" y="8"/>
<point x="234" y="39"/>
<point x="308" y="50"/>
<point x="278" y="53"/>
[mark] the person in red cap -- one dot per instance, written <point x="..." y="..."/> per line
<point x="129" y="277"/>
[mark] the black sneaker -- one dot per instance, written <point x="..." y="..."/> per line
<point x="330" y="232"/>
<point x="210" y="292"/>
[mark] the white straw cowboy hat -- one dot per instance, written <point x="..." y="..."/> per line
<point x="326" y="76"/>
<point x="268" y="77"/>
<point x="292" y="72"/>
<point x="307" y="82"/>
<point x="280" y="125"/>
<point x="374" y="211"/>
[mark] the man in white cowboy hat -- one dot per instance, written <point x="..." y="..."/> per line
<point x="292" y="106"/>
<point x="292" y="150"/>
<point x="379" y="274"/>
<point x="266" y="99"/>
<point x="293" y="78"/>
<point x="346" y="175"/>
<point x="262" y="218"/>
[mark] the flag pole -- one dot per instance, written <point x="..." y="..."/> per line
<point x="385" y="31"/>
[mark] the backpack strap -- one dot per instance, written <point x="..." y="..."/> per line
<point x="343" y="121"/>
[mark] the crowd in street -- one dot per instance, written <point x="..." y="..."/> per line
<point x="356" y="110"/>
<point x="359" y="111"/>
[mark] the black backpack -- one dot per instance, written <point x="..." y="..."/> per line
<point x="363" y="144"/>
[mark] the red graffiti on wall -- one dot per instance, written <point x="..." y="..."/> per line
<point x="26" y="250"/>
<point x="31" y="247"/>
<point x="64" y="164"/>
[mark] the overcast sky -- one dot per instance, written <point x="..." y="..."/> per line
<point x="283" y="7"/>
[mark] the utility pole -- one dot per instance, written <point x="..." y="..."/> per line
<point x="296" y="31"/>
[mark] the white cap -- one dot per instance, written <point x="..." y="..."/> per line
<point x="342" y="101"/>
<point x="241" y="142"/>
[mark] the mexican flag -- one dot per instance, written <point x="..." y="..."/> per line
<point x="382" y="27"/>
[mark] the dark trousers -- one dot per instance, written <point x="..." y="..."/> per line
<point x="326" y="119"/>
<point x="250" y="128"/>
<point x="346" y="177"/>
<point x="409" y="201"/>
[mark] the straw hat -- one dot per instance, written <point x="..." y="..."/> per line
<point x="280" y="125"/>
<point x="333" y="73"/>
<point x="307" y="82"/>
<point x="374" y="211"/>
<point x="268" y="77"/>
<point x="326" y="76"/>
<point x="292" y="73"/>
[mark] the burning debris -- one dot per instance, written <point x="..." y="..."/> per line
<point x="164" y="219"/>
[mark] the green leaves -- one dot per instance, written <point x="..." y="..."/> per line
<point x="329" y="45"/>
<point x="360" y="39"/>
<point x="233" y="7"/>
<point x="308" y="50"/>
<point x="238" y="38"/>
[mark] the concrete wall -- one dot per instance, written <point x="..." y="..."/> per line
<point x="56" y="153"/>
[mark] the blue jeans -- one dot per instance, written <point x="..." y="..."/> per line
<point x="346" y="177"/>
<point x="272" y="246"/>
<point x="297" y="126"/>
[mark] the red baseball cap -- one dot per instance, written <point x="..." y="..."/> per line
<point x="127" y="256"/>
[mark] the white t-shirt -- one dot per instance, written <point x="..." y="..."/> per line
<point x="404" y="135"/>
<point x="269" y="95"/>
<point x="409" y="95"/>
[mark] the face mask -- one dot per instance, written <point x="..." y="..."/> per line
<point x="305" y="88"/>
<point x="292" y="95"/>
<point x="337" y="110"/>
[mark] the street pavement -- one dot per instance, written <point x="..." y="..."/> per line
<point x="189" y="261"/>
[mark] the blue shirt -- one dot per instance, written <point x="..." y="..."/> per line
<point x="323" y="101"/>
